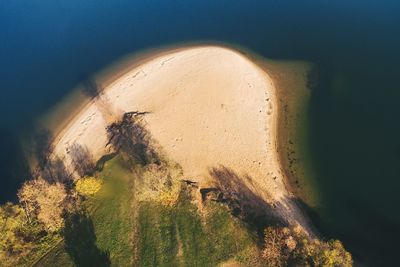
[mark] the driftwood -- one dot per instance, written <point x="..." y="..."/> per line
<point x="191" y="183"/>
<point x="211" y="193"/>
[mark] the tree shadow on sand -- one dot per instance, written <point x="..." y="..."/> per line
<point x="247" y="205"/>
<point x="42" y="146"/>
<point x="90" y="87"/>
<point x="82" y="160"/>
<point x="80" y="242"/>
<point x="55" y="171"/>
<point x="49" y="167"/>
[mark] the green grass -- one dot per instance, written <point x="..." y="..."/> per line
<point x="57" y="255"/>
<point x="48" y="244"/>
<point x="110" y="211"/>
<point x="110" y="219"/>
<point x="126" y="233"/>
<point x="180" y="236"/>
<point x="157" y="237"/>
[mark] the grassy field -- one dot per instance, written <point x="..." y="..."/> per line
<point x="117" y="230"/>
<point x="181" y="236"/>
<point x="103" y="234"/>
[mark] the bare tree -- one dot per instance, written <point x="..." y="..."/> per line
<point x="130" y="137"/>
<point x="43" y="201"/>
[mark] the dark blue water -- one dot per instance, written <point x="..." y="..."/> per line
<point x="47" y="45"/>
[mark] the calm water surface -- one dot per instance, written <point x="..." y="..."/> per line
<point x="46" y="46"/>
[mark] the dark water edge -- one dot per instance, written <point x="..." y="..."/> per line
<point x="14" y="166"/>
<point x="355" y="146"/>
<point x="47" y="46"/>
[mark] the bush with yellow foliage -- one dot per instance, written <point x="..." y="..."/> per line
<point x="88" y="186"/>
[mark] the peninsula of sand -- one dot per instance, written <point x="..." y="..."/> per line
<point x="208" y="106"/>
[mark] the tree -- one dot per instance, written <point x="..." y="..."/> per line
<point x="292" y="246"/>
<point x="11" y="219"/>
<point x="17" y="235"/>
<point x="130" y="137"/>
<point x="332" y="254"/>
<point x="43" y="201"/>
<point x="278" y="245"/>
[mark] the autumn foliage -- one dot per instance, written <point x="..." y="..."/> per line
<point x="33" y="223"/>
<point x="43" y="201"/>
<point x="287" y="246"/>
<point x="88" y="186"/>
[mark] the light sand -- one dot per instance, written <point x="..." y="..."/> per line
<point x="209" y="107"/>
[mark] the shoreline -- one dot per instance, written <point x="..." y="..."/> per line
<point x="294" y="96"/>
<point x="290" y="80"/>
<point x="112" y="75"/>
<point x="292" y="109"/>
<point x="52" y="121"/>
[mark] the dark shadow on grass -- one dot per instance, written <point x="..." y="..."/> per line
<point x="80" y="242"/>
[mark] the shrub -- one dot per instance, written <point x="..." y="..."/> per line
<point x="292" y="246"/>
<point x="278" y="245"/>
<point x="331" y="254"/>
<point x="88" y="186"/>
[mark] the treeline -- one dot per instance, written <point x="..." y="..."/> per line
<point x="52" y="196"/>
<point x="35" y="222"/>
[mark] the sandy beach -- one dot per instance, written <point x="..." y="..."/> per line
<point x="209" y="107"/>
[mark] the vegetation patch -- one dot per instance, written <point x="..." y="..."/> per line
<point x="88" y="186"/>
<point x="291" y="246"/>
<point x="101" y="233"/>
<point x="181" y="235"/>
<point x="140" y="211"/>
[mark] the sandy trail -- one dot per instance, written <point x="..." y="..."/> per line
<point x="209" y="107"/>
